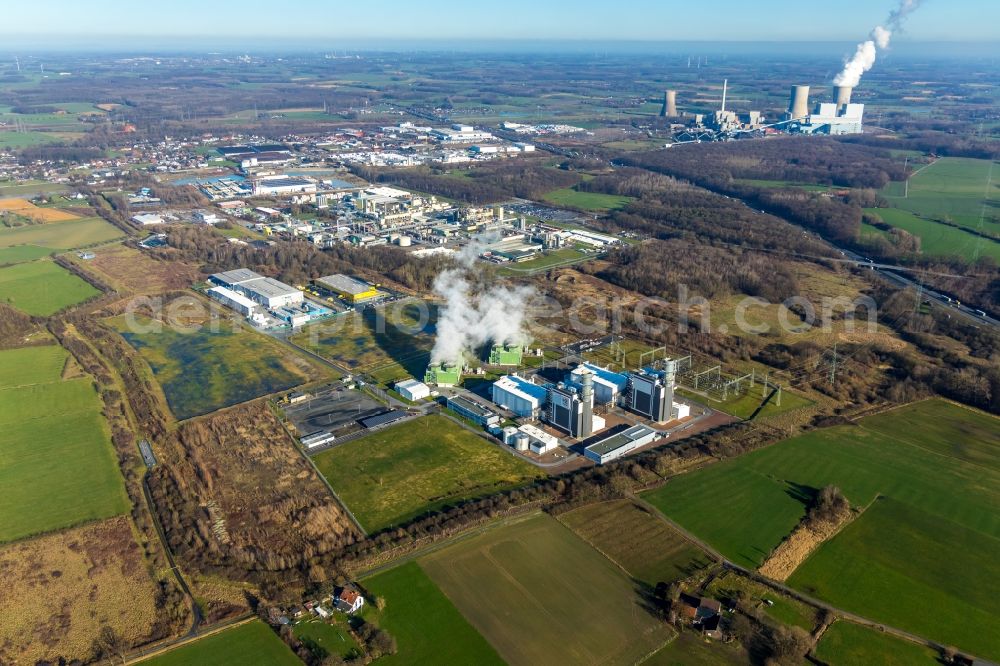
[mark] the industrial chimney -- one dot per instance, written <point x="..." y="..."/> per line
<point x="669" y="109"/>
<point x="587" y="398"/>
<point x="798" y="106"/>
<point x="842" y="96"/>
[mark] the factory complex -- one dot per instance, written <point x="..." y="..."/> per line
<point x="264" y="301"/>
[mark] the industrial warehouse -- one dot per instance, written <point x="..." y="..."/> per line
<point x="264" y="301"/>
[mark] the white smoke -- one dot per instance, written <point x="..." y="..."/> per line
<point x="867" y="51"/>
<point x="476" y="314"/>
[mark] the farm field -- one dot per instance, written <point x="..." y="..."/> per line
<point x="201" y="370"/>
<point x="590" y="201"/>
<point x="29" y="188"/>
<point x="26" y="209"/>
<point x="937" y="239"/>
<point x="250" y="643"/>
<point x="389" y="349"/>
<point x="61" y="236"/>
<point x="930" y="479"/>
<point x="953" y="188"/>
<point x="57" y="466"/>
<point x="541" y="595"/>
<point x="42" y="288"/>
<point x="9" y="139"/>
<point x="402" y="471"/>
<point x="847" y="644"/>
<point x="641" y="543"/>
<point x="59" y="589"/>
<point x="426" y="625"/>
<point x="21" y="253"/>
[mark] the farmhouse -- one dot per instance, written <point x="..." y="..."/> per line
<point x="348" y="600"/>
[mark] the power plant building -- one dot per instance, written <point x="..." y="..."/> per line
<point x="838" y="117"/>
<point x="472" y="410"/>
<point x="608" y="385"/>
<point x="519" y="396"/>
<point x="443" y="375"/>
<point x="620" y="444"/>
<point x="505" y="355"/>
<point x="571" y="407"/>
<point x="263" y="290"/>
<point x="651" y="394"/>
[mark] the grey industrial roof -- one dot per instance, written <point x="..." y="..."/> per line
<point x="470" y="405"/>
<point x="383" y="418"/>
<point x="624" y="438"/>
<point x="343" y="284"/>
<point x="236" y="276"/>
<point x="269" y="287"/>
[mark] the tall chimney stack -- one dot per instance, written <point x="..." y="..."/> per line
<point x="842" y="96"/>
<point x="798" y="106"/>
<point x="669" y="109"/>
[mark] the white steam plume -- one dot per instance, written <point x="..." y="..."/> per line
<point x="864" y="56"/>
<point x="474" y="315"/>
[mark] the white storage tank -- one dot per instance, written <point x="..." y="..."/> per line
<point x="404" y="241"/>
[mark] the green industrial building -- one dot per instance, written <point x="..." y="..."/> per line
<point x="443" y="375"/>
<point x="506" y="355"/>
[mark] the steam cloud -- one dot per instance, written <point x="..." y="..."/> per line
<point x="864" y="57"/>
<point x="476" y="314"/>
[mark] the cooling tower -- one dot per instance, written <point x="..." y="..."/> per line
<point x="798" y="106"/>
<point x="669" y="109"/>
<point x="842" y="96"/>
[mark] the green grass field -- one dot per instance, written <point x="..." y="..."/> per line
<point x="201" y="370"/>
<point x="783" y="609"/>
<point x="560" y="257"/>
<point x="402" y="471"/>
<point x="389" y="343"/>
<point x="590" y="201"/>
<point x="42" y="288"/>
<point x="333" y="638"/>
<point x="60" y="235"/>
<point x="927" y="542"/>
<point x="641" y="543"/>
<point x="541" y="595"/>
<point x="952" y="188"/>
<point x="427" y="627"/>
<point x="250" y="643"/>
<point x="937" y="239"/>
<point x="744" y="405"/>
<point x="57" y="467"/>
<point x="690" y="649"/>
<point x="849" y="644"/>
<point x="21" y="253"/>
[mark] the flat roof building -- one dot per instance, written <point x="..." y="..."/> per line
<point x="348" y="288"/>
<point x="620" y="444"/>
<point x="413" y="390"/>
<point x="473" y="411"/>
<point x="233" y="300"/>
<point x="519" y="395"/>
<point x="264" y="290"/>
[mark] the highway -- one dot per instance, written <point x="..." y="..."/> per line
<point x="894" y="274"/>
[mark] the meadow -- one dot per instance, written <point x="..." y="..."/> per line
<point x="30" y="211"/>
<point x="952" y="188"/>
<point x="331" y="637"/>
<point x="924" y="472"/>
<point x="395" y="474"/>
<point x="61" y="236"/>
<point x="58" y="468"/>
<point x="20" y="253"/>
<point x="59" y="589"/>
<point x="42" y="288"/>
<point x="745" y="404"/>
<point x="427" y="627"/>
<point x="541" y="595"/>
<point x="388" y="344"/>
<point x="202" y="370"/>
<point x="588" y="201"/>
<point x="639" y="542"/>
<point x="846" y="644"/>
<point x="937" y="239"/>
<point x="690" y="649"/>
<point x="249" y="643"/>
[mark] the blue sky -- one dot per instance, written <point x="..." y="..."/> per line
<point x="587" y="20"/>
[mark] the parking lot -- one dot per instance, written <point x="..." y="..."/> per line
<point x="332" y="410"/>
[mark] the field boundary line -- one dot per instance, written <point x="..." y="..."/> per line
<point x="186" y="640"/>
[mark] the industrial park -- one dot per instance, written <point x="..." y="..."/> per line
<point x="575" y="334"/>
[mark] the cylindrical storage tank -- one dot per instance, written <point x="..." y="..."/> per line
<point x="842" y="95"/>
<point x="521" y="441"/>
<point x="798" y="106"/>
<point x="404" y="241"/>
